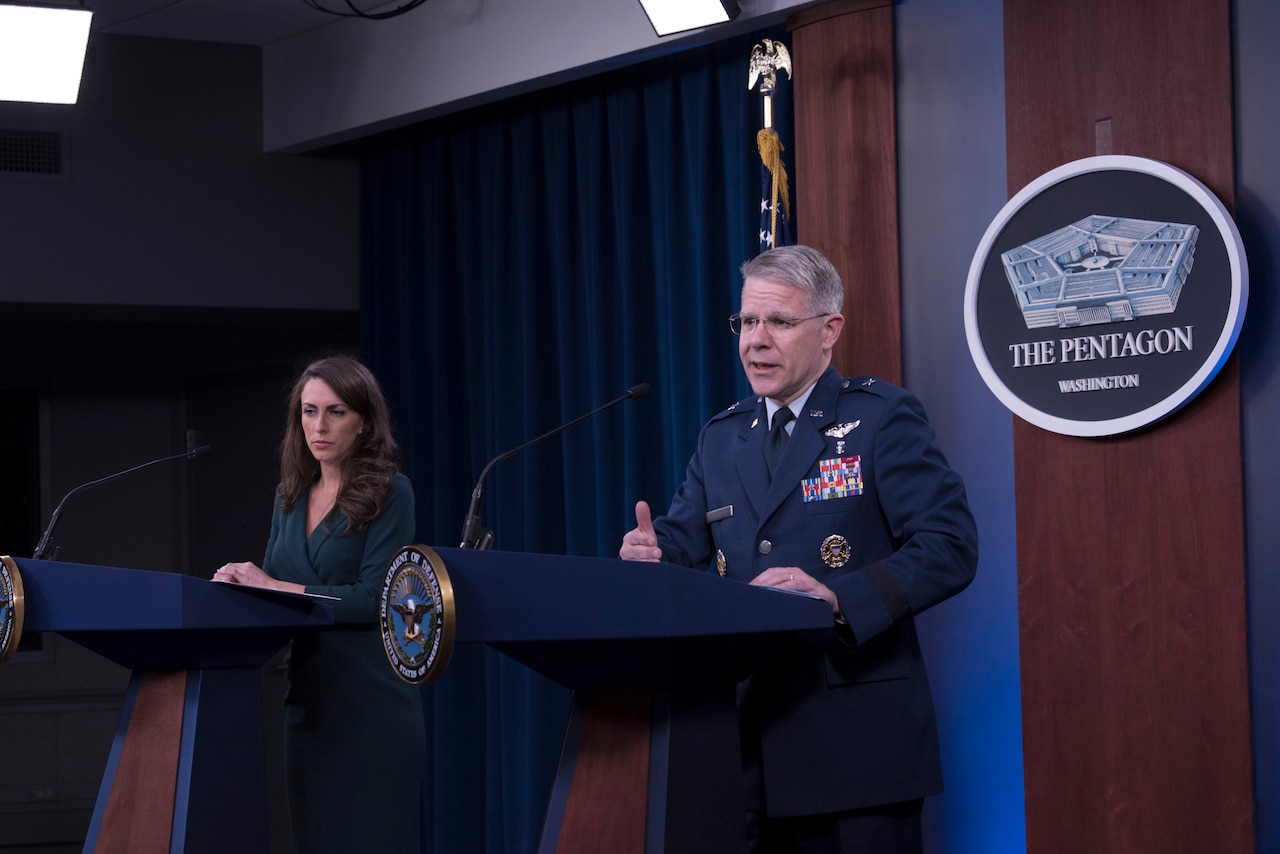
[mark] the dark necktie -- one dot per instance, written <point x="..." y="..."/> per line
<point x="777" y="438"/>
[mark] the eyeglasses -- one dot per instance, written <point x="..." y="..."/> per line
<point x="740" y="323"/>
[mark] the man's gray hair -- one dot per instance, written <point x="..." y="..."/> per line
<point x="804" y="268"/>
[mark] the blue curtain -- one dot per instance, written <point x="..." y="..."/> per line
<point x="523" y="263"/>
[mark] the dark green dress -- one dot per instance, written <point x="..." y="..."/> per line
<point x="355" y="741"/>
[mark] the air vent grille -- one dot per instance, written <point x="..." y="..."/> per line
<point x="30" y="153"/>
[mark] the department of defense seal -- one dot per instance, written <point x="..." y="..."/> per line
<point x="12" y="607"/>
<point x="416" y="615"/>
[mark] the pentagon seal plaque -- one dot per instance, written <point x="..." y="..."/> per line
<point x="1105" y="295"/>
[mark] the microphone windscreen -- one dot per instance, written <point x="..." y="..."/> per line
<point x="638" y="390"/>
<point x="199" y="451"/>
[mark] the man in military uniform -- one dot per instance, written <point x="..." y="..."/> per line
<point x="835" y="487"/>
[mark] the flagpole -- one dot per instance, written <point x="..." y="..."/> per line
<point x="766" y="58"/>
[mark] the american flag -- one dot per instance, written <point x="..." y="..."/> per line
<point x="775" y="197"/>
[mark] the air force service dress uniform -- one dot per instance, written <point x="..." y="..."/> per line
<point x="864" y="501"/>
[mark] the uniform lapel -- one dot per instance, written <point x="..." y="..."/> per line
<point x="752" y="471"/>
<point x="806" y="443"/>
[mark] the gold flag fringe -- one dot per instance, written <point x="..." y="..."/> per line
<point x="771" y="156"/>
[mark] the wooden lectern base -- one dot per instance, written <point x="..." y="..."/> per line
<point x="649" y="771"/>
<point x="139" y="808"/>
<point x="185" y="773"/>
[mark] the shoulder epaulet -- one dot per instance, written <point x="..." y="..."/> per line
<point x="747" y="404"/>
<point x="869" y="384"/>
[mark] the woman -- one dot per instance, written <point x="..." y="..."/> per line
<point x="354" y="734"/>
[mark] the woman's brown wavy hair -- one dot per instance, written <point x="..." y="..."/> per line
<point x="367" y="472"/>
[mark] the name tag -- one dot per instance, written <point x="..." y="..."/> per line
<point x="720" y="513"/>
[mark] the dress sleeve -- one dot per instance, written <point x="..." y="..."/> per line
<point x="276" y="526"/>
<point x="682" y="531"/>
<point x="923" y="503"/>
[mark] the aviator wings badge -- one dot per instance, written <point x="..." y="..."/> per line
<point x="840" y="431"/>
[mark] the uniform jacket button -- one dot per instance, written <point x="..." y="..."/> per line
<point x="765" y="547"/>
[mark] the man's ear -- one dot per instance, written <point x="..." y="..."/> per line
<point x="831" y="330"/>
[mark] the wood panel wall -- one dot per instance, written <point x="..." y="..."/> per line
<point x="1130" y="549"/>
<point x="1131" y="569"/>
<point x="847" y="171"/>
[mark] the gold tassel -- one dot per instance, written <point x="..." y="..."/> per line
<point x="771" y="156"/>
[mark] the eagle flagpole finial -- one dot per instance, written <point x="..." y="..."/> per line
<point x="766" y="58"/>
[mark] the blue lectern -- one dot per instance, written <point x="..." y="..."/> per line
<point x="651" y="760"/>
<point x="185" y="773"/>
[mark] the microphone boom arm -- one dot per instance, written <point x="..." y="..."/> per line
<point x="43" y="545"/>
<point x="474" y="534"/>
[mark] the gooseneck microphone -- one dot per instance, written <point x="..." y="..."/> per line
<point x="474" y="534"/>
<point x="201" y="451"/>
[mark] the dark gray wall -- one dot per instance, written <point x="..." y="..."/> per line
<point x="162" y="292"/>
<point x="169" y="198"/>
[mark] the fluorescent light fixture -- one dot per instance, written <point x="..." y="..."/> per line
<point x="676" y="16"/>
<point x="42" y="53"/>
